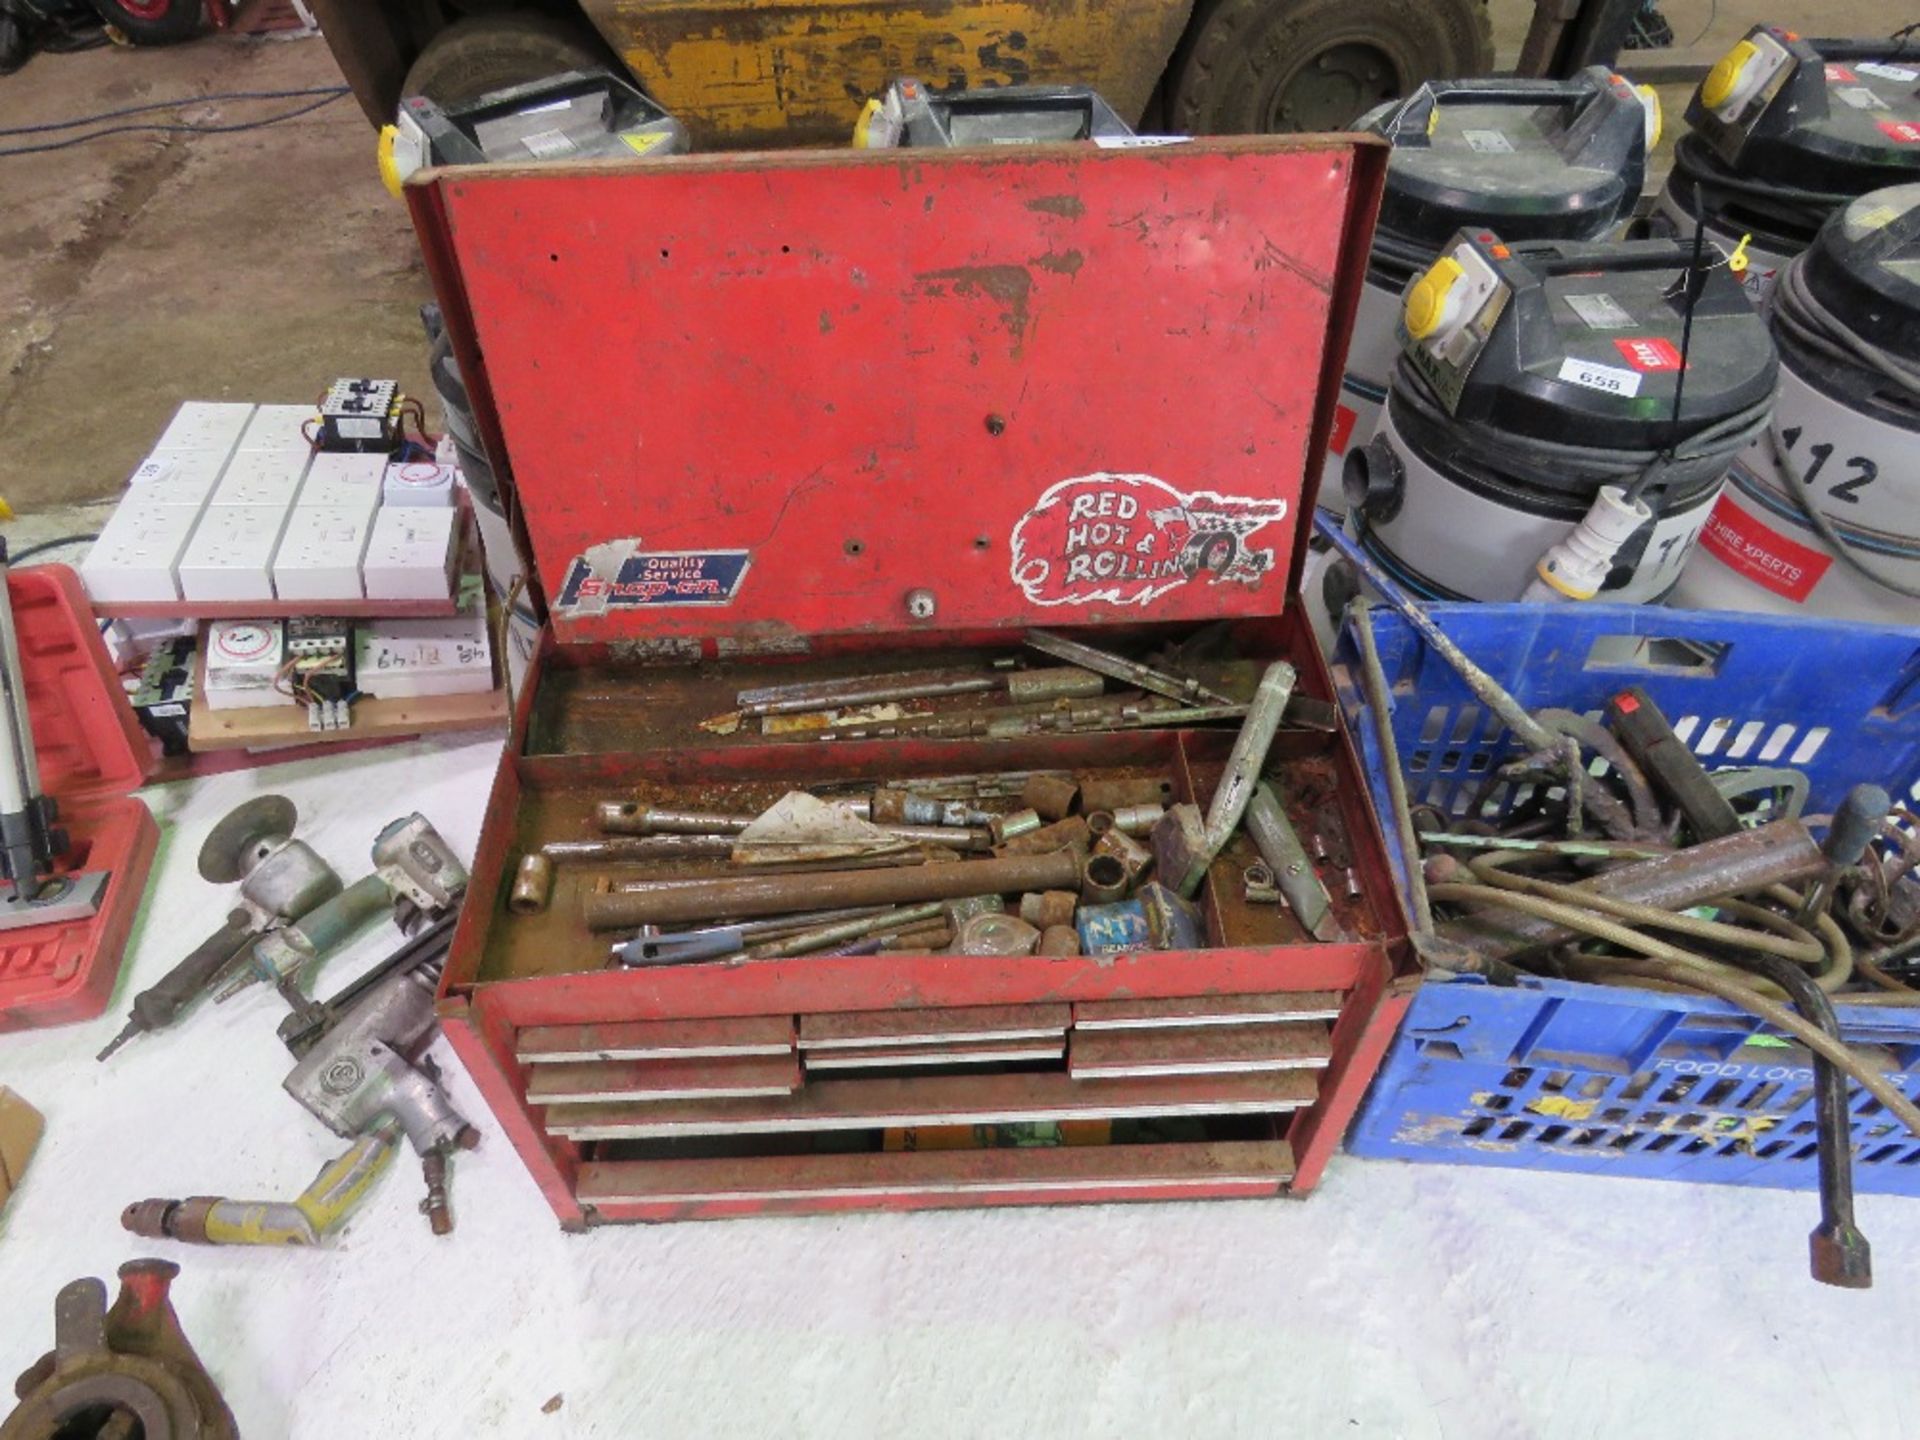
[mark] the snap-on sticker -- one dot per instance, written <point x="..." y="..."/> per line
<point x="1901" y="132"/>
<point x="1608" y="379"/>
<point x="1129" y="539"/>
<point x="1899" y="74"/>
<point x="1648" y="352"/>
<point x="619" y="575"/>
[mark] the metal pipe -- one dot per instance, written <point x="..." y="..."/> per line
<point x="1526" y="729"/>
<point x="1373" y="681"/>
<point x="1052" y="797"/>
<point x="1068" y="682"/>
<point x="656" y="824"/>
<point x="1129" y="672"/>
<point x="1248" y="756"/>
<point x="1777" y="854"/>
<point x="652" y="847"/>
<point x="755" y="895"/>
<point x="532" y="884"/>
<point x="822" y="937"/>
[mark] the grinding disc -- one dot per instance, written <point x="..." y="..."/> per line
<point x="267" y="817"/>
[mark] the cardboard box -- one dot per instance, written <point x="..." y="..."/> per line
<point x="21" y="1127"/>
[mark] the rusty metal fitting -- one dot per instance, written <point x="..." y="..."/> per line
<point x="958" y="912"/>
<point x="996" y="935"/>
<point x="1261" y="888"/>
<point x="1099" y="822"/>
<point x="170" y="1219"/>
<point x="433" y="1167"/>
<point x="1353" y="884"/>
<point x="1069" y="834"/>
<point x="1181" y="852"/>
<point x="1059" y="940"/>
<point x="1137" y="819"/>
<point x="1050" y="796"/>
<point x="748" y="897"/>
<point x="1127" y="850"/>
<point x="1065" y="682"/>
<point x="920" y="940"/>
<point x="532" y="884"/>
<point x="1104" y="880"/>
<point x="1048" y="908"/>
<point x="1007" y="827"/>
<point x="1117" y="795"/>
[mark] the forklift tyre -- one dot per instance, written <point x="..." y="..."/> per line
<point x="1268" y="66"/>
<point x="152" y="22"/>
<point x="490" y="52"/>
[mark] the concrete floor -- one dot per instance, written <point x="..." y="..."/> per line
<point x="143" y="270"/>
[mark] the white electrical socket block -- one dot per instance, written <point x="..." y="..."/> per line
<point x="138" y="553"/>
<point x="417" y="482"/>
<point x="231" y="554"/>
<point x="320" y="550"/>
<point x="261" y="477"/>
<point x="400" y="659"/>
<point x="411" y="554"/>
<point x="279" y="427"/>
<point x="243" y="659"/>
<point x="346" y="479"/>
<point x="205" y="425"/>
<point x="177" y="477"/>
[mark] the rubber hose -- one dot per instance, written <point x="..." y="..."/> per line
<point x="1682" y="967"/>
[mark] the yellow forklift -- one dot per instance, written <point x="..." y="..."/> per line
<point x="750" y="73"/>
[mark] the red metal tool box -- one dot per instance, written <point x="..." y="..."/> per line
<point x="769" y="418"/>
<point x="92" y="756"/>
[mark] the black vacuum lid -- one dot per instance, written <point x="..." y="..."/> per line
<point x="1532" y="159"/>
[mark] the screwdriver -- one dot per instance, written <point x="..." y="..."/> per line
<point x="160" y="1004"/>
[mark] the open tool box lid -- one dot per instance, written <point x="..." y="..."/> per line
<point x="766" y="414"/>
<point x="92" y="756"/>
<point x="740" y="397"/>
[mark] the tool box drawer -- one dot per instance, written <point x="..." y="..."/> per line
<point x="901" y="1079"/>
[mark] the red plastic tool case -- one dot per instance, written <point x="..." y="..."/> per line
<point x="93" y="755"/>
<point x="772" y="417"/>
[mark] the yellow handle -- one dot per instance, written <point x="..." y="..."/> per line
<point x="1719" y="85"/>
<point x="1427" y="300"/>
<point x="389" y="167"/>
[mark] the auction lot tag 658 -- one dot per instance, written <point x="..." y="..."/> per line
<point x="1610" y="379"/>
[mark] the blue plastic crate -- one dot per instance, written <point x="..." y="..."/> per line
<point x="1553" y="1075"/>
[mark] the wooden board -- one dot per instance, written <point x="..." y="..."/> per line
<point x="1207" y="1050"/>
<point x="601" y="1081"/>
<point x="1206" y="1010"/>
<point x="857" y="1028"/>
<point x="657" y="1039"/>
<point x="1263" y="1165"/>
<point x="265" y="726"/>
<point x="945" y="1100"/>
